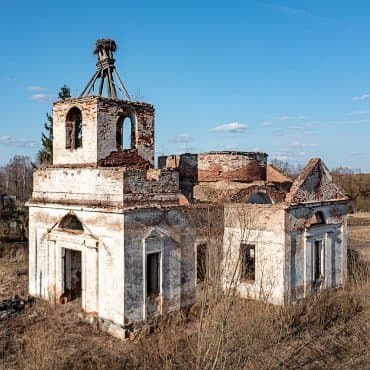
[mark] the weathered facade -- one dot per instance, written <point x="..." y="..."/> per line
<point x="282" y="239"/>
<point x="129" y="240"/>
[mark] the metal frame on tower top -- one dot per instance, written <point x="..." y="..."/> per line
<point x="106" y="71"/>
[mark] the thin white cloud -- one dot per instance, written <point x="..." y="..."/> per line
<point x="4" y="139"/>
<point x="289" y="118"/>
<point x="36" y="89"/>
<point x="288" y="11"/>
<point x="361" y="97"/>
<point x="294" y="144"/>
<point x="309" y="132"/>
<point x="182" y="138"/>
<point x="19" y="143"/>
<point x="298" y="144"/>
<point x="358" y="154"/>
<point x="40" y="97"/>
<point x="279" y="132"/>
<point x="349" y="122"/>
<point x="359" y="112"/>
<point x="266" y="124"/>
<point x="232" y="127"/>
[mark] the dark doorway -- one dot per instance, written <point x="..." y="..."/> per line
<point x="72" y="274"/>
<point x="318" y="266"/>
<point x="152" y="274"/>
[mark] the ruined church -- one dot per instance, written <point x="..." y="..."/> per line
<point x="132" y="241"/>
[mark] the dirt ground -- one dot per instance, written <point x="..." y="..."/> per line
<point x="45" y="337"/>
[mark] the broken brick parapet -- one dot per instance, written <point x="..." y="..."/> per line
<point x="101" y="124"/>
<point x="205" y="168"/>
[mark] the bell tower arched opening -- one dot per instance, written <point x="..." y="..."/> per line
<point x="125" y="136"/>
<point x="74" y="129"/>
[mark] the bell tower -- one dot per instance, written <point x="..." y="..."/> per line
<point x="102" y="129"/>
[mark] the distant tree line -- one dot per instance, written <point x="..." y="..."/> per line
<point x="356" y="185"/>
<point x="16" y="177"/>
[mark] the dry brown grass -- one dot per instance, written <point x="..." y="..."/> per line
<point x="321" y="332"/>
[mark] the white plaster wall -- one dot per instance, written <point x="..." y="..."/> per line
<point x="269" y="238"/>
<point x="84" y="184"/>
<point x="88" y="152"/>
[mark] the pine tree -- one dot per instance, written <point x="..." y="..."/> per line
<point x="45" y="154"/>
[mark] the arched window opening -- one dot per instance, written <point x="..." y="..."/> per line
<point x="259" y="198"/>
<point x="317" y="218"/>
<point x="71" y="222"/>
<point x="74" y="129"/>
<point x="125" y="133"/>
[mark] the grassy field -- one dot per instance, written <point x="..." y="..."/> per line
<point x="357" y="187"/>
<point x="359" y="234"/>
<point x="328" y="331"/>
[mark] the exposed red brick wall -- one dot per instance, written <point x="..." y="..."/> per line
<point x="218" y="166"/>
<point x="125" y="158"/>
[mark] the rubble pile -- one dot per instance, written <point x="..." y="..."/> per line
<point x="13" y="306"/>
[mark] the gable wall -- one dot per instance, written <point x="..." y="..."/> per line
<point x="263" y="226"/>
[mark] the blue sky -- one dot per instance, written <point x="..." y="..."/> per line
<point x="291" y="78"/>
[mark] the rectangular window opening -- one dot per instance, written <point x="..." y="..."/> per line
<point x="152" y="274"/>
<point x="201" y="262"/>
<point x="248" y="265"/>
<point x="318" y="272"/>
